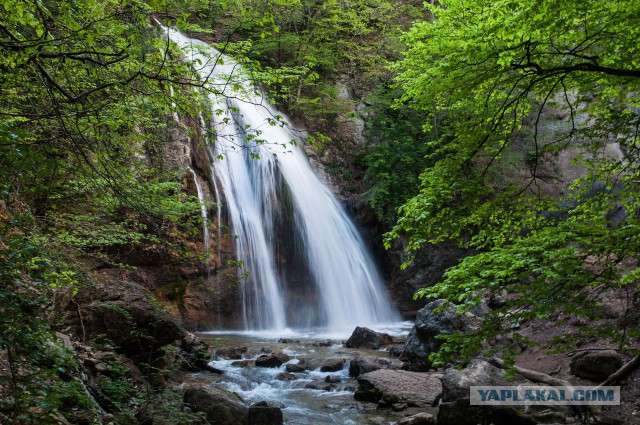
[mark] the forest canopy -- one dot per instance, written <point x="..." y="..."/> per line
<point x="551" y="213"/>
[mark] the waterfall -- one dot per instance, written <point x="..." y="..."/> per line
<point x="203" y="212"/>
<point x="303" y="263"/>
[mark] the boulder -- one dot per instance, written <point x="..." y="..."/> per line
<point x="418" y="419"/>
<point x="295" y="368"/>
<point x="268" y="360"/>
<point x="429" y="324"/>
<point x="132" y="321"/>
<point x="272" y="360"/>
<point x="595" y="365"/>
<point x="455" y="408"/>
<point x="320" y="385"/>
<point x="231" y="353"/>
<point x="367" y="338"/>
<point x="221" y="407"/>
<point x="399" y="386"/>
<point x="265" y="415"/>
<point x="285" y="376"/>
<point x="332" y="364"/>
<point x="365" y="364"/>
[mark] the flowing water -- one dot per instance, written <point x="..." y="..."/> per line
<point x="303" y="263"/>
<point x="203" y="212"/>
<point x="304" y="397"/>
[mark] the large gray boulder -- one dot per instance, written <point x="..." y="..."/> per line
<point x="455" y="408"/>
<point x="367" y="338"/>
<point x="595" y="365"/>
<point x="399" y="386"/>
<point x="422" y="340"/>
<point x="221" y="407"/>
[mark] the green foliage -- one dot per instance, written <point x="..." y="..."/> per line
<point x="39" y="370"/>
<point x="306" y="46"/>
<point x="498" y="71"/>
<point x="398" y="154"/>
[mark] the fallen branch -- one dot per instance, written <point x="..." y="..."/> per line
<point x="623" y="372"/>
<point x="532" y="375"/>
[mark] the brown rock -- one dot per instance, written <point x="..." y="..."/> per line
<point x="367" y="338"/>
<point x="595" y="365"/>
<point x="399" y="386"/>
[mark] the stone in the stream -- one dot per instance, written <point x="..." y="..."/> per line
<point x="332" y="379"/>
<point x="220" y="406"/>
<point x="367" y="338"/>
<point x="285" y="376"/>
<point x="231" y="353"/>
<point x="418" y="419"/>
<point x="241" y="363"/>
<point x="295" y="368"/>
<point x="399" y="386"/>
<point x="320" y="385"/>
<point x="363" y="364"/>
<point x="271" y="360"/>
<point x="265" y="415"/>
<point x="595" y="365"/>
<point x="332" y="364"/>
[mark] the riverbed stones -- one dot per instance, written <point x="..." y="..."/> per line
<point x="320" y="385"/>
<point x="422" y="339"/>
<point x="331" y="379"/>
<point x="295" y="367"/>
<point x="367" y="338"/>
<point x="271" y="360"/>
<point x="333" y="364"/>
<point x="231" y="353"/>
<point x="285" y="376"/>
<point x="595" y="365"/>
<point x="364" y="364"/>
<point x="389" y="387"/>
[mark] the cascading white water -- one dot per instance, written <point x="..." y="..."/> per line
<point x="304" y="261"/>
<point x="203" y="212"/>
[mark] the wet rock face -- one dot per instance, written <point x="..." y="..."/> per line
<point x="596" y="365"/>
<point x="426" y="270"/>
<point x="399" y="386"/>
<point x="422" y="340"/>
<point x="367" y="338"/>
<point x="125" y="314"/>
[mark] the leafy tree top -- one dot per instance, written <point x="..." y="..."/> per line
<point x="497" y="70"/>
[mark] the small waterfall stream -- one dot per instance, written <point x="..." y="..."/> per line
<point x="203" y="212"/>
<point x="303" y="263"/>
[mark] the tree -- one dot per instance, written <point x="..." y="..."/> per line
<point x="499" y="70"/>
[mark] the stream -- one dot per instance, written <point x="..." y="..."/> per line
<point x="331" y="403"/>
